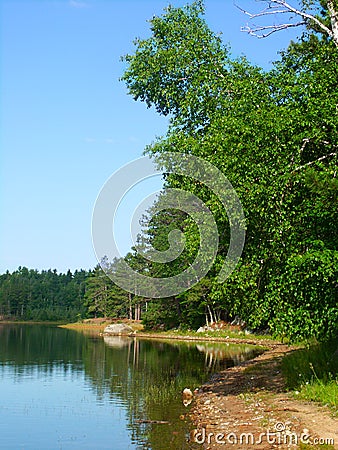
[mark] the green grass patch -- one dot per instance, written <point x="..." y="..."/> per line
<point x="223" y="334"/>
<point x="323" y="392"/>
<point x="312" y="373"/>
<point x="316" y="447"/>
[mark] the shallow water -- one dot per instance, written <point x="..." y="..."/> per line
<point x="60" y="389"/>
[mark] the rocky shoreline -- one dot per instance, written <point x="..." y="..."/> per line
<point x="248" y="407"/>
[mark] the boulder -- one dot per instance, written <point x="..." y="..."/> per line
<point x="117" y="329"/>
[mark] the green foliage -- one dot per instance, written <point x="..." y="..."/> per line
<point x="304" y="296"/>
<point x="274" y="135"/>
<point x="312" y="373"/>
<point x="104" y="298"/>
<point x="47" y="295"/>
<point x="171" y="72"/>
<point x="316" y="362"/>
<point x="161" y="314"/>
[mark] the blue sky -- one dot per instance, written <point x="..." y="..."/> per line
<point x="67" y="122"/>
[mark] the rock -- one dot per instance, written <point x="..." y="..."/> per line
<point x="186" y="401"/>
<point x="117" y="329"/>
<point x="187" y="396"/>
<point x="187" y="393"/>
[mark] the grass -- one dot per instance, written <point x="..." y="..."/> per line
<point x="312" y="373"/>
<point x="219" y="334"/>
<point x="97" y="326"/>
<point x="316" y="447"/>
<point x="324" y="392"/>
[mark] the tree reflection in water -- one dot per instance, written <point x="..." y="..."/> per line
<point x="142" y="378"/>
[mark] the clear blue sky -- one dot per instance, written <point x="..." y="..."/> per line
<point x="67" y="122"/>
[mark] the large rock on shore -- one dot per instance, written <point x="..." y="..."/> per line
<point x="117" y="329"/>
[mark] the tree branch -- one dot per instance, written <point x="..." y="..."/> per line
<point x="282" y="7"/>
<point x="271" y="28"/>
<point x="313" y="162"/>
<point x="266" y="11"/>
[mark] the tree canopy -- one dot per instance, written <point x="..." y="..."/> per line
<point x="274" y="135"/>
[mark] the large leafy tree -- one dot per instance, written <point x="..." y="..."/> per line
<point x="274" y="135"/>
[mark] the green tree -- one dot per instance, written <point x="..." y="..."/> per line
<point x="103" y="297"/>
<point x="45" y="295"/>
<point x="274" y="135"/>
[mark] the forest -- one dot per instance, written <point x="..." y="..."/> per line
<point x="274" y="134"/>
<point x="27" y="294"/>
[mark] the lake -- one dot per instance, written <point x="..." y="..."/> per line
<point x="61" y="389"/>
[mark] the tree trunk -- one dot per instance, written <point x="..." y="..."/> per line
<point x="334" y="20"/>
<point x="212" y="320"/>
<point x="137" y="312"/>
<point x="130" y="308"/>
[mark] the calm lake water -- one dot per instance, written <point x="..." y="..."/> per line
<point x="60" y="389"/>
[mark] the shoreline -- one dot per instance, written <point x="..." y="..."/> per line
<point x="31" y="322"/>
<point x="251" y="402"/>
<point x="99" y="327"/>
<point x="224" y="340"/>
<point x="138" y="333"/>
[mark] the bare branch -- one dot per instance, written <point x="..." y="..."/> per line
<point x="272" y="28"/>
<point x="282" y="7"/>
<point x="266" y="11"/>
<point x="305" y="142"/>
<point x="305" y="15"/>
<point x="315" y="161"/>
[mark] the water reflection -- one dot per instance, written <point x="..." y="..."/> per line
<point x="116" y="341"/>
<point x="224" y="355"/>
<point x="114" y="393"/>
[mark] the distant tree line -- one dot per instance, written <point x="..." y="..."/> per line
<point x="28" y="294"/>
